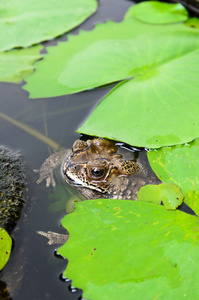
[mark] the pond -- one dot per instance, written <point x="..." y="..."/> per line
<point x="34" y="270"/>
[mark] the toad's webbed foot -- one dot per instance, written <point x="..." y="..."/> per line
<point x="49" y="165"/>
<point x="50" y="181"/>
<point x="54" y="238"/>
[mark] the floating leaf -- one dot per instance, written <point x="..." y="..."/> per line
<point x="111" y="52"/>
<point x="17" y="64"/>
<point x="155" y="109"/>
<point x="167" y="193"/>
<point x="28" y="22"/>
<point x="145" y="111"/>
<point x="131" y="248"/>
<point x="5" y="247"/>
<point x="156" y="12"/>
<point x="102" y="51"/>
<point x="179" y="165"/>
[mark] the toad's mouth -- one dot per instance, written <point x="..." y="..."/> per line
<point x="81" y="184"/>
<point x="70" y="180"/>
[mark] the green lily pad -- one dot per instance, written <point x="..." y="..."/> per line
<point x="5" y="247"/>
<point x="102" y="51"/>
<point x="17" y="64"/>
<point x="179" y="165"/>
<point x="167" y="193"/>
<point x="130" y="248"/>
<point x="154" y="109"/>
<point x="156" y="12"/>
<point x="111" y="52"/>
<point x="145" y="111"/>
<point x="28" y="22"/>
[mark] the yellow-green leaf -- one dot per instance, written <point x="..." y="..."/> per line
<point x="132" y="250"/>
<point x="167" y="193"/>
<point x="5" y="247"/>
<point x="179" y="165"/>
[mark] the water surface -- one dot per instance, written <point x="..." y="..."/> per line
<point x="34" y="271"/>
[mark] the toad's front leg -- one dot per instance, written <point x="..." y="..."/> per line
<point x="49" y="165"/>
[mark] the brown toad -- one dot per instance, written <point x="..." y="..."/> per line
<point x="96" y="169"/>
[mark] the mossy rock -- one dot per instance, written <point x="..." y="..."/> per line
<point x="12" y="187"/>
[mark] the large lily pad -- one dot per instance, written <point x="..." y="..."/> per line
<point x="179" y="165"/>
<point x="5" y="247"/>
<point x="17" y="64"/>
<point x="144" y="111"/>
<point x="131" y="248"/>
<point x="155" y="109"/>
<point x="109" y="53"/>
<point x="28" y="22"/>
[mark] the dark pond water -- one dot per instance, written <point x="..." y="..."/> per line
<point x="34" y="271"/>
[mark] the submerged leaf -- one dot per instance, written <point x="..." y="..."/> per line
<point x="28" y="22"/>
<point x="167" y="193"/>
<point x="31" y="131"/>
<point x="17" y="64"/>
<point x="131" y="248"/>
<point x="5" y="247"/>
<point x="156" y="12"/>
<point x="63" y="199"/>
<point x="179" y="165"/>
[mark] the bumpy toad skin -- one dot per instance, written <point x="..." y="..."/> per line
<point x="99" y="172"/>
<point x="96" y="169"/>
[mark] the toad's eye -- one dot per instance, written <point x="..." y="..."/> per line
<point x="97" y="172"/>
